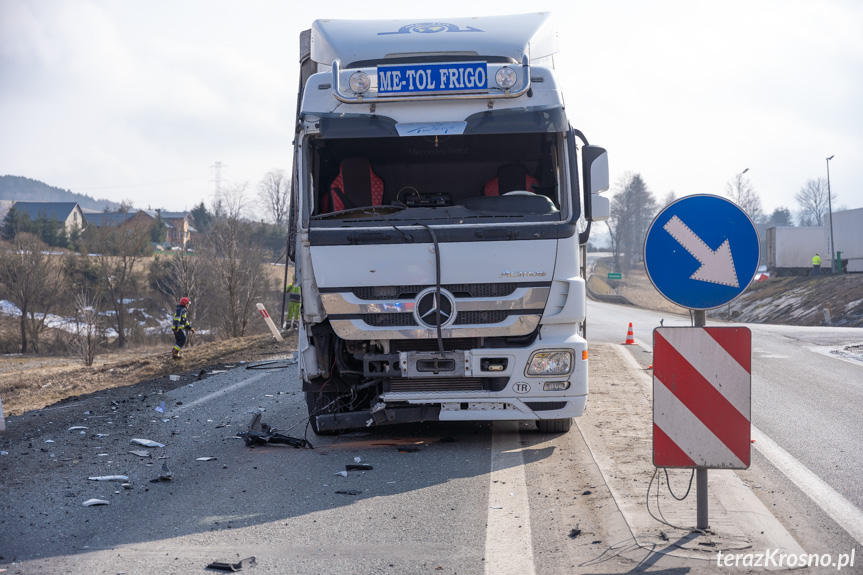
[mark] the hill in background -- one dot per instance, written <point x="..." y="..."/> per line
<point x="20" y="189"/>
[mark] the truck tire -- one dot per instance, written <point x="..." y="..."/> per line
<point x="318" y="403"/>
<point x="554" y="425"/>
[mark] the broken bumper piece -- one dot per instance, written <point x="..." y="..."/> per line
<point x="385" y="416"/>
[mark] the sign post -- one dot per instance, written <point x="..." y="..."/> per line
<point x="701" y="252"/>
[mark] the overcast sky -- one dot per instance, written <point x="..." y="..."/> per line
<point x="138" y="100"/>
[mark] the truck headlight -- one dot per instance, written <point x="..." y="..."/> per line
<point x="550" y="362"/>
<point x="505" y="78"/>
<point x="360" y="82"/>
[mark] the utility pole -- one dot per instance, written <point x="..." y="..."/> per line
<point x="217" y="177"/>
<point x="830" y="212"/>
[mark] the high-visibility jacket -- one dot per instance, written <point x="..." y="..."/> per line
<point x="294" y="302"/>
<point x="816" y="260"/>
<point x="180" y="319"/>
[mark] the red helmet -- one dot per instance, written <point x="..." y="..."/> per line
<point x="184" y="301"/>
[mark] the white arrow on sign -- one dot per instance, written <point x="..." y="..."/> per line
<point x="717" y="266"/>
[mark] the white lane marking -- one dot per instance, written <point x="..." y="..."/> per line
<point x="217" y="394"/>
<point x="508" y="541"/>
<point x="842" y="511"/>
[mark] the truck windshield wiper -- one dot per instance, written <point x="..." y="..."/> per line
<point x="367" y="210"/>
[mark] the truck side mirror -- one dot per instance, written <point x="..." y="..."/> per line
<point x="594" y="161"/>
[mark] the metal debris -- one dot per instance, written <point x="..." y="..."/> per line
<point x="91" y="502"/>
<point x="140" y="453"/>
<point x="261" y="434"/>
<point x="109" y="478"/>
<point x="221" y="566"/>
<point x="147" y="443"/>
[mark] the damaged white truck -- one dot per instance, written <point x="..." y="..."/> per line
<point x="441" y="204"/>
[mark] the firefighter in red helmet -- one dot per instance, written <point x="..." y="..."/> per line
<point x="180" y="326"/>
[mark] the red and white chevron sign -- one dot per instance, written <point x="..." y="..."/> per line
<point x="702" y="382"/>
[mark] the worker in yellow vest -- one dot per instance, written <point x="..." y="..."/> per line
<point x="816" y="264"/>
<point x="293" y="304"/>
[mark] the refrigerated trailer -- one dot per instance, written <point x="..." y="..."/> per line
<point x="441" y="203"/>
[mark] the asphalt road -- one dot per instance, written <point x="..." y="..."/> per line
<point x="807" y="394"/>
<point x="440" y="498"/>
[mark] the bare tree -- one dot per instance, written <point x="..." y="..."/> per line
<point x="236" y="276"/>
<point x="232" y="202"/>
<point x="632" y="209"/>
<point x="669" y="198"/>
<point x="32" y="280"/>
<point x="186" y="278"/>
<point x="118" y="250"/>
<point x="813" y="202"/>
<point x="741" y="192"/>
<point x="274" y="193"/>
<point x="86" y="338"/>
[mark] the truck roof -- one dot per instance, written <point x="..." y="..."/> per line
<point x="365" y="42"/>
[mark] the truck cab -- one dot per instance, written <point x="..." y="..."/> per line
<point x="439" y="215"/>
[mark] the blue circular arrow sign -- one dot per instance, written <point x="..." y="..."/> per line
<point x="701" y="251"/>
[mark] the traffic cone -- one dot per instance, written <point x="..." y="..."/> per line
<point x="630" y="340"/>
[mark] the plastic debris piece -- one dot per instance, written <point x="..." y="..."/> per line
<point x="341" y="473"/>
<point x="495" y="507"/>
<point x="358" y="467"/>
<point x="109" y="478"/>
<point x="4" y="453"/>
<point x="161" y="407"/>
<point x="233" y="567"/>
<point x="206" y="459"/>
<point x="357" y="459"/>
<point x="49" y="441"/>
<point x="574" y="533"/>
<point x="91" y="502"/>
<point x="126" y="486"/>
<point x="147" y="443"/>
<point x="77" y="428"/>
<point x="174" y="377"/>
<point x="260" y="433"/>
<point x="349" y="492"/>
<point x="140" y="453"/>
<point x="166" y="474"/>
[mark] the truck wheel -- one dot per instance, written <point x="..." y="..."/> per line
<point x="554" y="425"/>
<point x="320" y="403"/>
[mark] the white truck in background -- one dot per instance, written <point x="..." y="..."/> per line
<point x="440" y="210"/>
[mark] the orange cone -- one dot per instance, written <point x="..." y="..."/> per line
<point x="630" y="339"/>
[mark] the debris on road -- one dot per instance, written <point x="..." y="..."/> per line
<point x="147" y="443"/>
<point x="358" y="467"/>
<point x="221" y="566"/>
<point x="77" y="428"/>
<point x="574" y="533"/>
<point x="92" y="502"/>
<point x="140" y="453"/>
<point x="407" y="449"/>
<point x="206" y="459"/>
<point x="349" y="492"/>
<point x="261" y="434"/>
<point x="109" y="478"/>
<point x="161" y="407"/>
<point x="166" y="474"/>
<point x="341" y="473"/>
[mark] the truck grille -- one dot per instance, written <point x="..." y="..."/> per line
<point x="379" y="293"/>
<point x="436" y="384"/>
<point x="407" y="319"/>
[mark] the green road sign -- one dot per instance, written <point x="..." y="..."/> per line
<point x="613" y="276"/>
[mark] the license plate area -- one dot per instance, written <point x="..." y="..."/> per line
<point x="434" y="364"/>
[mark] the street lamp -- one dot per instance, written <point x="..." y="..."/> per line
<point x="830" y="212"/>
